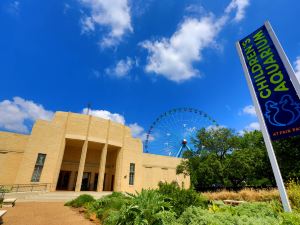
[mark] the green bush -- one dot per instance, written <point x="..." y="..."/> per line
<point x="171" y="205"/>
<point x="255" y="209"/>
<point x="244" y="214"/>
<point x="146" y="207"/>
<point x="226" y="216"/>
<point x="80" y="201"/>
<point x="104" y="206"/>
<point x="290" y="219"/>
<point x="294" y="194"/>
<point x="181" y="199"/>
<point x="4" y="190"/>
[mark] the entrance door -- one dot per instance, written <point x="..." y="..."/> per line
<point x="104" y="182"/>
<point x="63" y="180"/>
<point x="95" y="182"/>
<point x="85" y="185"/>
<point x="112" y="183"/>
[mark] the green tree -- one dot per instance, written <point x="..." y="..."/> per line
<point x="252" y="146"/>
<point x="218" y="140"/>
<point x="288" y="156"/>
<point x="222" y="157"/>
<point x="207" y="164"/>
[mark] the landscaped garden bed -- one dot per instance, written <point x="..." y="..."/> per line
<point x="171" y="205"/>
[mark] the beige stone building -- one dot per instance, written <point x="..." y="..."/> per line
<point x="77" y="152"/>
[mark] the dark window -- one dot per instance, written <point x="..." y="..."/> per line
<point x="38" y="167"/>
<point x="131" y="173"/>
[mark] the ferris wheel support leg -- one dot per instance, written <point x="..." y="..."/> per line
<point x="179" y="152"/>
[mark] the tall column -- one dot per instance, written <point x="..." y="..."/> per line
<point x="60" y="155"/>
<point x="82" y="158"/>
<point x="102" y="168"/>
<point x="103" y="161"/>
<point x="81" y="166"/>
<point x="118" y="171"/>
<point x="119" y="163"/>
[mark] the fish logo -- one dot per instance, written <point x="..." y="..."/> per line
<point x="282" y="113"/>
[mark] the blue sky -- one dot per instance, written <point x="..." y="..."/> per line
<point x="132" y="60"/>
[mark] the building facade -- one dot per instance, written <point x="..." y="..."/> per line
<point x="77" y="152"/>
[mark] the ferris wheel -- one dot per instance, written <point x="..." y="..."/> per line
<point x="173" y="131"/>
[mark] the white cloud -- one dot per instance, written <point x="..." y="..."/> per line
<point x="105" y="115"/>
<point x="253" y="126"/>
<point x="297" y="67"/>
<point x="121" y="69"/>
<point x="113" y="15"/>
<point x="67" y="7"/>
<point x="174" y="57"/>
<point x="138" y="132"/>
<point x="249" y="110"/>
<point x="195" y="8"/>
<point x="215" y="127"/>
<point x="240" y="7"/>
<point x="15" y="115"/>
<point x="87" y="24"/>
<point x="14" y="8"/>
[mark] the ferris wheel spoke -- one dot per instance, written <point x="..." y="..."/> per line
<point x="168" y="131"/>
<point x="172" y="127"/>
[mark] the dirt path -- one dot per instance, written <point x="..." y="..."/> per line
<point x="43" y="213"/>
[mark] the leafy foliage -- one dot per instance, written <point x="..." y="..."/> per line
<point x="294" y="194"/>
<point x="288" y="156"/>
<point x="80" y="201"/>
<point x="161" y="207"/>
<point x="290" y="219"/>
<point x="255" y="209"/>
<point x="103" y="207"/>
<point x="180" y="199"/>
<point x="4" y="190"/>
<point x="146" y="207"/>
<point x="226" y="159"/>
<point x="226" y="216"/>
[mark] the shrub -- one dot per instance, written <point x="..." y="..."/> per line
<point x="104" y="206"/>
<point x="4" y="190"/>
<point x="290" y="219"/>
<point x="80" y="201"/>
<point x="228" y="216"/>
<point x="255" y="209"/>
<point x="293" y="188"/>
<point x="146" y="207"/>
<point x="180" y="199"/>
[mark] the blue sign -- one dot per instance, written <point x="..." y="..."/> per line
<point x="277" y="97"/>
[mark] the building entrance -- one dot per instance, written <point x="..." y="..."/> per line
<point x="85" y="184"/>
<point x="90" y="173"/>
<point x="95" y="182"/>
<point x="63" y="180"/>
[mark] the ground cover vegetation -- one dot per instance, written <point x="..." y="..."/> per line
<point x="171" y="205"/>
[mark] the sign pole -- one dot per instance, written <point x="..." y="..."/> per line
<point x="270" y="150"/>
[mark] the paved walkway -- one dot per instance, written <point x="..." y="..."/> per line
<point x="57" y="196"/>
<point x="43" y="213"/>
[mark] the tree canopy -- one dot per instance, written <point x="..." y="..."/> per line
<point x="223" y="158"/>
